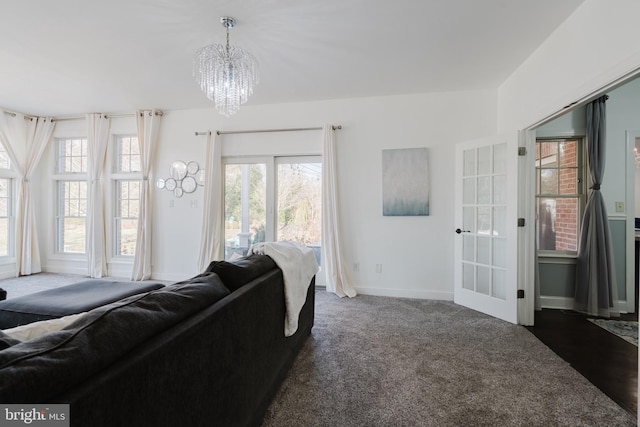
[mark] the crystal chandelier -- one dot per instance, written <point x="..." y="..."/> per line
<point x="226" y="74"/>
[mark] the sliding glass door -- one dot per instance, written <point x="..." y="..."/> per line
<point x="272" y="198"/>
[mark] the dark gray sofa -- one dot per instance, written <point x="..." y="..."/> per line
<point x="194" y="353"/>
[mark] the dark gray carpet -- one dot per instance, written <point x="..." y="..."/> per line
<point x="376" y="361"/>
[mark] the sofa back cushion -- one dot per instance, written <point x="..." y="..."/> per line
<point x="239" y="272"/>
<point x="39" y="369"/>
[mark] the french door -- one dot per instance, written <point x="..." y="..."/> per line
<point x="486" y="246"/>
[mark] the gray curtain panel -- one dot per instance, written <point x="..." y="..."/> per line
<point x="596" y="291"/>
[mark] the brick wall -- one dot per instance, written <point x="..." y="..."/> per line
<point x="567" y="209"/>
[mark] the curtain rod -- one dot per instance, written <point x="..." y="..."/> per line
<point x="15" y="113"/>
<point x="230" y="132"/>
<point x="112" y="116"/>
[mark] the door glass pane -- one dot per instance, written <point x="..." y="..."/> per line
<point x="500" y="158"/>
<point x="469" y="159"/>
<point x="484" y="220"/>
<point x="500" y="221"/>
<point x="500" y="283"/>
<point x="484" y="250"/>
<point x="468" y="276"/>
<point x="469" y="191"/>
<point x="484" y="160"/>
<point x="300" y="204"/>
<point x="484" y="280"/>
<point x="469" y="219"/>
<point x="484" y="190"/>
<point x="245" y="212"/>
<point x="469" y="248"/>
<point x="499" y="190"/>
<point x="499" y="253"/>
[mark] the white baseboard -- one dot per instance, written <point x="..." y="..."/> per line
<point x="406" y="293"/>
<point x="7" y="271"/>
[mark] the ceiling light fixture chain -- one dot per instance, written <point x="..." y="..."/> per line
<point x="226" y="74"/>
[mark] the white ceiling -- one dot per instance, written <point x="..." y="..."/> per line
<point x="70" y="57"/>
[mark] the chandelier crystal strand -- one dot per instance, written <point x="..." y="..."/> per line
<point x="226" y="74"/>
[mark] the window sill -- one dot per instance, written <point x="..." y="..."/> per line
<point x="557" y="257"/>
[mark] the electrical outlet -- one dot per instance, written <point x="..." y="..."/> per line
<point x="378" y="268"/>
<point x="619" y="206"/>
<point x="356" y="266"/>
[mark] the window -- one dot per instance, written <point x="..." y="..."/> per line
<point x="299" y="199"/>
<point x="72" y="216"/>
<point x="256" y="188"/>
<point x="127" y="179"/>
<point x="72" y="156"/>
<point x="6" y="205"/>
<point x="71" y="195"/>
<point x="560" y="195"/>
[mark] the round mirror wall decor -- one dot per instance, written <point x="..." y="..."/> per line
<point x="192" y="167"/>
<point x="200" y="177"/>
<point x="178" y="170"/>
<point x="189" y="184"/>
<point x="170" y="184"/>
<point x="184" y="178"/>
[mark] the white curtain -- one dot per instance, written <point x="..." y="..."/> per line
<point x="98" y="126"/>
<point x="25" y="141"/>
<point x="212" y="242"/>
<point x="148" y="131"/>
<point x="337" y="280"/>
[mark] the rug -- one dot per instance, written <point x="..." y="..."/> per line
<point x="625" y="329"/>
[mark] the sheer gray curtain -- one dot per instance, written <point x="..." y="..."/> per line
<point x="596" y="291"/>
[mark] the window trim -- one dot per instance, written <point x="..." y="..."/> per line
<point x="59" y="210"/>
<point x="271" y="162"/>
<point x="114" y="176"/>
<point x="63" y="176"/>
<point x="582" y="185"/>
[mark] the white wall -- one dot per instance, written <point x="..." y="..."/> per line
<point x="416" y="253"/>
<point x="623" y="114"/>
<point x="593" y="47"/>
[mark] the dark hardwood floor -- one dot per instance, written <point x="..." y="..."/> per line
<point x="607" y="361"/>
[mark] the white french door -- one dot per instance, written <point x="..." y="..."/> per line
<point x="486" y="246"/>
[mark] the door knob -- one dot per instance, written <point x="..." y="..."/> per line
<point x="462" y="231"/>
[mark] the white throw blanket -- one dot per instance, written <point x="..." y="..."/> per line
<point x="298" y="265"/>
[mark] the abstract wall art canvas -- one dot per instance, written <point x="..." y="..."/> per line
<point x="405" y="182"/>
